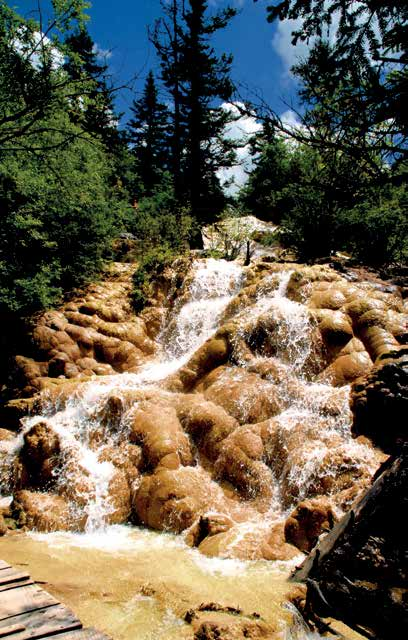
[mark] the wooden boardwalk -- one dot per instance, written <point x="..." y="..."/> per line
<point x="27" y="612"/>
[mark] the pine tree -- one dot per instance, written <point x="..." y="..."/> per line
<point x="166" y="37"/>
<point x="148" y="134"/>
<point x="95" y="109"/>
<point x="206" y="80"/>
<point x="355" y="79"/>
<point x="197" y="80"/>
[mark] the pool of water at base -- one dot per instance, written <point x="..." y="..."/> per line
<point x="137" y="584"/>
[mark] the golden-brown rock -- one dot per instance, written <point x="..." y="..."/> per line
<point x="305" y="524"/>
<point x="43" y="512"/>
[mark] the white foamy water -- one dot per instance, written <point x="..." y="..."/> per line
<point x="293" y="328"/>
<point x="193" y="320"/>
<point x="312" y="429"/>
<point x="213" y="285"/>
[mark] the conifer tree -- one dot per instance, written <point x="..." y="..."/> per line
<point x="206" y="78"/>
<point x="148" y="134"/>
<point x="95" y="110"/>
<point x="166" y="37"/>
<point x="355" y="78"/>
<point x="198" y="81"/>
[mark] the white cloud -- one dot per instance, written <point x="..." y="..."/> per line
<point x="291" y="54"/>
<point x="290" y="119"/>
<point x="38" y="49"/>
<point x="282" y="43"/>
<point x="241" y="130"/>
<point x="101" y="53"/>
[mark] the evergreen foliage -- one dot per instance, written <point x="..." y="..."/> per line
<point x="197" y="80"/>
<point x="94" y="109"/>
<point x="355" y="80"/>
<point x="149" y="137"/>
<point x="353" y="142"/>
<point x="58" y="219"/>
<point x="59" y="202"/>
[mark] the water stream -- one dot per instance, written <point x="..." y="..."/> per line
<point x="136" y="583"/>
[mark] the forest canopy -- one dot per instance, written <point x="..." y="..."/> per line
<point x="75" y="176"/>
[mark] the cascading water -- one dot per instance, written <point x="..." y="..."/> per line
<point x="213" y="285"/>
<point x="312" y="429"/>
<point x="318" y="410"/>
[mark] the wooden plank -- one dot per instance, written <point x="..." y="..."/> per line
<point x="15" y="602"/>
<point x="43" y="623"/>
<point x="15" y="585"/>
<point x="11" y="575"/>
<point x="27" y="612"/>
<point x="11" y="630"/>
<point x="82" y="634"/>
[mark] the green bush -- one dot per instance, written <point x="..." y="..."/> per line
<point x="376" y="230"/>
<point x="311" y="226"/>
<point x="158" y="220"/>
<point x="59" y="216"/>
<point x="162" y="230"/>
<point x="150" y="267"/>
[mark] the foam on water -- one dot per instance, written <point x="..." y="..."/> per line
<point x="214" y="284"/>
<point x="194" y="319"/>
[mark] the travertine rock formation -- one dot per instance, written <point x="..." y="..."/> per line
<point x="219" y="436"/>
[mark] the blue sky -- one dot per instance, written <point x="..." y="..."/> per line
<point x="262" y="52"/>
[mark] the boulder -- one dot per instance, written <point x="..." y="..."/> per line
<point x="206" y="423"/>
<point x="127" y="457"/>
<point x="43" y="512"/>
<point x="276" y="547"/>
<point x="305" y="524"/>
<point x="212" y="621"/>
<point x="207" y="526"/>
<point x="119" y="498"/>
<point x="40" y="455"/>
<point x="244" y="395"/>
<point x="379" y="401"/>
<point x="249" y="543"/>
<point x="241" y="463"/>
<point x="172" y="500"/>
<point x="159" y="433"/>
<point x="209" y="356"/>
<point x="335" y="328"/>
<point x="346" y="369"/>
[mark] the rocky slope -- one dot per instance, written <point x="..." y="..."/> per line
<point x="236" y="432"/>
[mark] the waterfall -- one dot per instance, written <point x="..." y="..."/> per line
<point x="213" y="284"/>
<point x="304" y="441"/>
<point x="312" y="426"/>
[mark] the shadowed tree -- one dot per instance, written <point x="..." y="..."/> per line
<point x="198" y="80"/>
<point x="148" y="132"/>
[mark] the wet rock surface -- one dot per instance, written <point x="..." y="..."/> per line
<point x="380" y="402"/>
<point x="212" y="415"/>
<point x="211" y="621"/>
<point x="95" y="333"/>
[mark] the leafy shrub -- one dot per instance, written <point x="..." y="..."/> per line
<point x="377" y="228"/>
<point x="311" y="226"/>
<point x="150" y="267"/>
<point x="159" y="219"/>
<point x="59" y="216"/>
